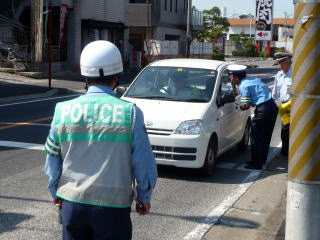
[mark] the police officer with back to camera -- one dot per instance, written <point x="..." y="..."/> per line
<point x="281" y="91"/>
<point x="96" y="149"/>
<point x="254" y="93"/>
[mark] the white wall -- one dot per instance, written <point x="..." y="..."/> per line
<point x="287" y="45"/>
<point x="157" y="47"/>
<point x="104" y="10"/>
<point x="160" y="33"/>
<point x="245" y="29"/>
<point x="283" y="31"/>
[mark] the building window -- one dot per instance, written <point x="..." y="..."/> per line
<point x="184" y="5"/>
<point x="170" y="5"/>
<point x="165" y="5"/>
<point x="170" y="37"/>
<point x="176" y="6"/>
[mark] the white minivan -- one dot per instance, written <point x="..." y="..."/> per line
<point x="191" y="111"/>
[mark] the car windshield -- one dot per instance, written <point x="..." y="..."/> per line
<point x="174" y="84"/>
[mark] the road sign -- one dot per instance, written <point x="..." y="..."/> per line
<point x="264" y="18"/>
<point x="263" y="35"/>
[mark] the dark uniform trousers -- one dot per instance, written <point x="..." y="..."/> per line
<point x="88" y="222"/>
<point x="262" y="125"/>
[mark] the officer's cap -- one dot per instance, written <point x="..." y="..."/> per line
<point x="280" y="57"/>
<point x="234" y="68"/>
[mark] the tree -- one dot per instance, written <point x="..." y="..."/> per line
<point x="245" y="15"/>
<point x="244" y="45"/>
<point x="214" y="25"/>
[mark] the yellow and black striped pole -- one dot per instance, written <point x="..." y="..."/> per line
<point x="303" y="202"/>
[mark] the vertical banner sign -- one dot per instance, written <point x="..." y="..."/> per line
<point x="264" y="18"/>
<point x="63" y="15"/>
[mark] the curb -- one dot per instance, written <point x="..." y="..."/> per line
<point x="259" y="214"/>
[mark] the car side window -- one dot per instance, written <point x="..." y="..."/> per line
<point x="226" y="86"/>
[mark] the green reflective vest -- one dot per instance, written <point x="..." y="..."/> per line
<point x="95" y="136"/>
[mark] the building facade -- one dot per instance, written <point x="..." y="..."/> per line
<point x="282" y="32"/>
<point x="282" y="28"/>
<point x="129" y="24"/>
<point x="162" y="20"/>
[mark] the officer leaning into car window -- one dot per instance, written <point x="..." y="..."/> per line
<point x="254" y="93"/>
<point x="96" y="148"/>
<point x="281" y="91"/>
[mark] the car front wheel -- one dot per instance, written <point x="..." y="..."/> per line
<point x="208" y="167"/>
<point x="243" y="144"/>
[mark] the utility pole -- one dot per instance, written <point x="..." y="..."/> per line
<point x="50" y="45"/>
<point x="303" y="201"/>
<point x="37" y="30"/>
<point x="285" y="30"/>
<point x="250" y="25"/>
<point x="189" y="17"/>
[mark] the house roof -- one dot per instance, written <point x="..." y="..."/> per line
<point x="246" y="21"/>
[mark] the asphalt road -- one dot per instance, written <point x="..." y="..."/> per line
<point x="184" y="205"/>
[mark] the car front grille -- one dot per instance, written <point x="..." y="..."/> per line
<point x="174" y="153"/>
<point x="157" y="131"/>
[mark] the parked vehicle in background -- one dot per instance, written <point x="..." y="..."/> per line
<point x="191" y="111"/>
<point x="4" y="50"/>
<point x="14" y="54"/>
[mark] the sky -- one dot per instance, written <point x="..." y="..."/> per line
<point x="246" y="6"/>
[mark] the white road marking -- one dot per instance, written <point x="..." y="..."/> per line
<point x="29" y="124"/>
<point x="217" y="212"/>
<point x="273" y="152"/>
<point x="39" y="100"/>
<point x="22" y="145"/>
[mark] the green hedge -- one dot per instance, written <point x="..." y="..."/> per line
<point x="218" y="56"/>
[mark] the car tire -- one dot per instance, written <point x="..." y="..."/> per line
<point x="211" y="157"/>
<point x="243" y="144"/>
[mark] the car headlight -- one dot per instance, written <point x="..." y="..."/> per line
<point x="190" y="127"/>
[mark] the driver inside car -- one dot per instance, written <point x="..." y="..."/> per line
<point x="178" y="86"/>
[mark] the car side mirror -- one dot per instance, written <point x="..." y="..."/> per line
<point x="120" y="90"/>
<point x="227" y="98"/>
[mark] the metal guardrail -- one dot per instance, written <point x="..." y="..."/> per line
<point x="245" y="59"/>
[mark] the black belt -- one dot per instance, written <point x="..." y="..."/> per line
<point x="268" y="101"/>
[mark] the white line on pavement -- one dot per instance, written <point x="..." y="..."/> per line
<point x="22" y="145"/>
<point x="214" y="216"/>
<point x="29" y="124"/>
<point x="227" y="203"/>
<point x="39" y="100"/>
<point x="273" y="152"/>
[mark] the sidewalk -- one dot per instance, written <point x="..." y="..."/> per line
<point x="260" y="213"/>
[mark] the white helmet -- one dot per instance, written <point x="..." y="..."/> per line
<point x="99" y="55"/>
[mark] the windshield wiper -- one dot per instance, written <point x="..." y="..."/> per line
<point x="152" y="97"/>
<point x="199" y="100"/>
